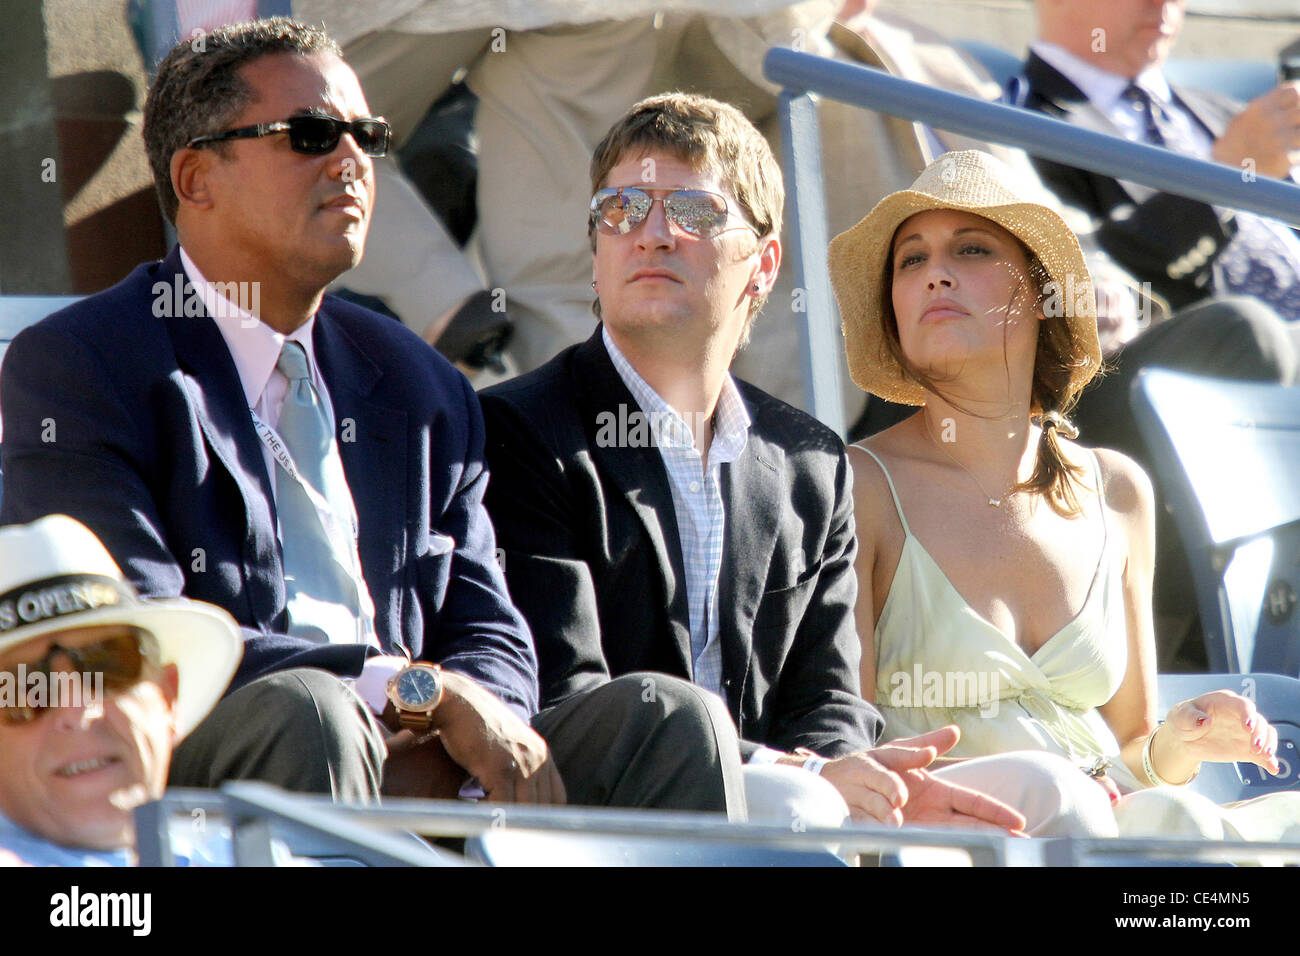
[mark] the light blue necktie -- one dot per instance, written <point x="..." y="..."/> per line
<point x="322" y="592"/>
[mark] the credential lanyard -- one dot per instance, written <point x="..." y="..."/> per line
<point x="342" y="532"/>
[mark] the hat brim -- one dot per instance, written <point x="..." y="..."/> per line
<point x="203" y="642"/>
<point x="857" y="259"/>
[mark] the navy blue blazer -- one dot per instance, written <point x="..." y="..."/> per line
<point x="135" y="423"/>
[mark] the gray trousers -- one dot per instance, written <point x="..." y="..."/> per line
<point x="642" y="740"/>
<point x="301" y="729"/>
<point x="647" y="740"/>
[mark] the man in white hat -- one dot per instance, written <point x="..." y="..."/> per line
<point x="96" y="687"/>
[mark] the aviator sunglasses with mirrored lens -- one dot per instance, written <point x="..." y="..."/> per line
<point x="313" y="135"/>
<point x="617" y="211"/>
<point x="119" y="658"/>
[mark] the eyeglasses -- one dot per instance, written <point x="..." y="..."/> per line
<point x="313" y="135"/>
<point x="119" y="659"/>
<point x="617" y="211"/>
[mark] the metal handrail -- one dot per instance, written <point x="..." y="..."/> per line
<point x="254" y="801"/>
<point x="369" y="834"/>
<point x="802" y="74"/>
<point x="1035" y="133"/>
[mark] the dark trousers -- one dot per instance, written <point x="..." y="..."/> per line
<point x="642" y="740"/>
<point x="647" y="740"/>
<point x="301" y="729"/>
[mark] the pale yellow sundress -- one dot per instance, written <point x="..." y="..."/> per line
<point x="939" y="662"/>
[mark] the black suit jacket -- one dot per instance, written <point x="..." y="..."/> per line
<point x="132" y="419"/>
<point x="1168" y="240"/>
<point x="594" y="562"/>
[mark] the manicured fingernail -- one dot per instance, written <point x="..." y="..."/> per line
<point x="1250" y="724"/>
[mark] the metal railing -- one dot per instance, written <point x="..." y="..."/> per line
<point x="316" y="828"/>
<point x="802" y="74"/>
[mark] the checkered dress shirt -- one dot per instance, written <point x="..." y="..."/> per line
<point x="697" y="501"/>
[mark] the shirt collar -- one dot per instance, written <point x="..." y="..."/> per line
<point x="1102" y="87"/>
<point x="731" y="419"/>
<point x="253" y="345"/>
<point x="39" y="851"/>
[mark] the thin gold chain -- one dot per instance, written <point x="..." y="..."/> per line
<point x="993" y="502"/>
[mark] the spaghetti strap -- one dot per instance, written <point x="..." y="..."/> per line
<point x="898" y="505"/>
<point x="1101" y="498"/>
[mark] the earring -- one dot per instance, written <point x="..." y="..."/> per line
<point x="593" y="286"/>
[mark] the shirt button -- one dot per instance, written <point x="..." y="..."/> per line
<point x="694" y="486"/>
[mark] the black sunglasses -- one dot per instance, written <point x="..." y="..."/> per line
<point x="313" y="135"/>
<point x="119" y="658"/>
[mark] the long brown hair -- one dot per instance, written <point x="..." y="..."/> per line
<point x="1054" y="475"/>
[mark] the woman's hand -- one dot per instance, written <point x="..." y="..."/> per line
<point x="1220" y="727"/>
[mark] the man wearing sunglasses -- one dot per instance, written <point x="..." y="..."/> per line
<point x="95" y="688"/>
<point x="312" y="467"/>
<point x="659" y="517"/>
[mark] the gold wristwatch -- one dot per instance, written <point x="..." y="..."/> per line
<point x="416" y="692"/>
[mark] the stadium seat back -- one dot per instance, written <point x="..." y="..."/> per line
<point x="1277" y="698"/>
<point x="1241" y="79"/>
<point x="1225" y="455"/>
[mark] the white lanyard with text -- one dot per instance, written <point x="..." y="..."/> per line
<point x="341" y="532"/>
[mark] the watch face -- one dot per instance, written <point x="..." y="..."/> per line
<point x="417" y="687"/>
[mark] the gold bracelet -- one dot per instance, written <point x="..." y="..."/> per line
<point x="1149" y="768"/>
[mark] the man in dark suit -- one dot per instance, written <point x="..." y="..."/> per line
<point x="1099" y="66"/>
<point x="234" y="435"/>
<point x="1233" y="278"/>
<point x="630" y="550"/>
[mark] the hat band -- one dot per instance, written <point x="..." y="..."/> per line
<point x="61" y="596"/>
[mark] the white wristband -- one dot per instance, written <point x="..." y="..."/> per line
<point x="814" y="764"/>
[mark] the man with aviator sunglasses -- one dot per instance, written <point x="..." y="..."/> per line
<point x="96" y="686"/>
<point x="696" y="211"/>
<point x="663" y="520"/>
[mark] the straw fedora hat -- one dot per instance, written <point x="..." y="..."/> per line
<point x="970" y="181"/>
<point x="55" y="575"/>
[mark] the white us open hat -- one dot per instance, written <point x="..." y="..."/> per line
<point x="56" y="575"/>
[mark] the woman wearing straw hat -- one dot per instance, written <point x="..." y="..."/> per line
<point x="1004" y="571"/>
